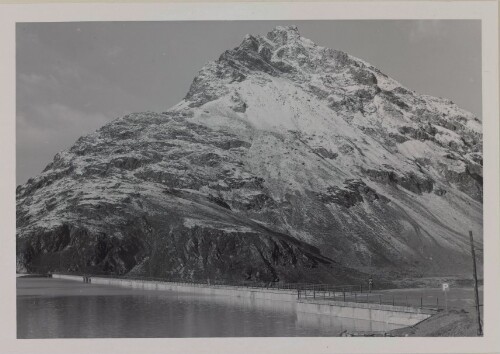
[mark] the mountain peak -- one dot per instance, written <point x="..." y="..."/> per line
<point x="279" y="36"/>
<point x="282" y="52"/>
<point x="288" y="29"/>
<point x="283" y="34"/>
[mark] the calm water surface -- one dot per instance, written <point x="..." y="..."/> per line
<point x="55" y="308"/>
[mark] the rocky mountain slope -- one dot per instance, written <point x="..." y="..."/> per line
<point x="285" y="160"/>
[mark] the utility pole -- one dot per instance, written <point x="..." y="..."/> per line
<point x="476" y="292"/>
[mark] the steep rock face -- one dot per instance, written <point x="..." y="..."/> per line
<point x="285" y="160"/>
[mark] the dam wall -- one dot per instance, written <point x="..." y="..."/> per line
<point x="399" y="315"/>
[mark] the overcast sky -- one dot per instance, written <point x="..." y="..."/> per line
<point x="73" y="78"/>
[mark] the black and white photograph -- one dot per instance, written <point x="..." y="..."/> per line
<point x="250" y="178"/>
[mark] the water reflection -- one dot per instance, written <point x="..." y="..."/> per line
<point x="53" y="308"/>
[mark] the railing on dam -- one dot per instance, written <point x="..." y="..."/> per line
<point x="321" y="292"/>
<point x="302" y="289"/>
<point x="328" y="292"/>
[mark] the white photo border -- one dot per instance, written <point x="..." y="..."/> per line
<point x="486" y="11"/>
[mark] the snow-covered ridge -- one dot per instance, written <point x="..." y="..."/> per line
<point x="345" y="84"/>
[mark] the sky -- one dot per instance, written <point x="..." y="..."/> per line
<point x="72" y="78"/>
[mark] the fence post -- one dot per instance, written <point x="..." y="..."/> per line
<point x="406" y="301"/>
<point x="380" y="299"/>
<point x="355" y="297"/>
<point x="314" y="292"/>
<point x="344" y="294"/>
<point x="361" y="288"/>
<point x="421" y="302"/>
<point x="437" y="302"/>
<point x="392" y="300"/>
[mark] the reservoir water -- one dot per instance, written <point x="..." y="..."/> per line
<point x="54" y="308"/>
